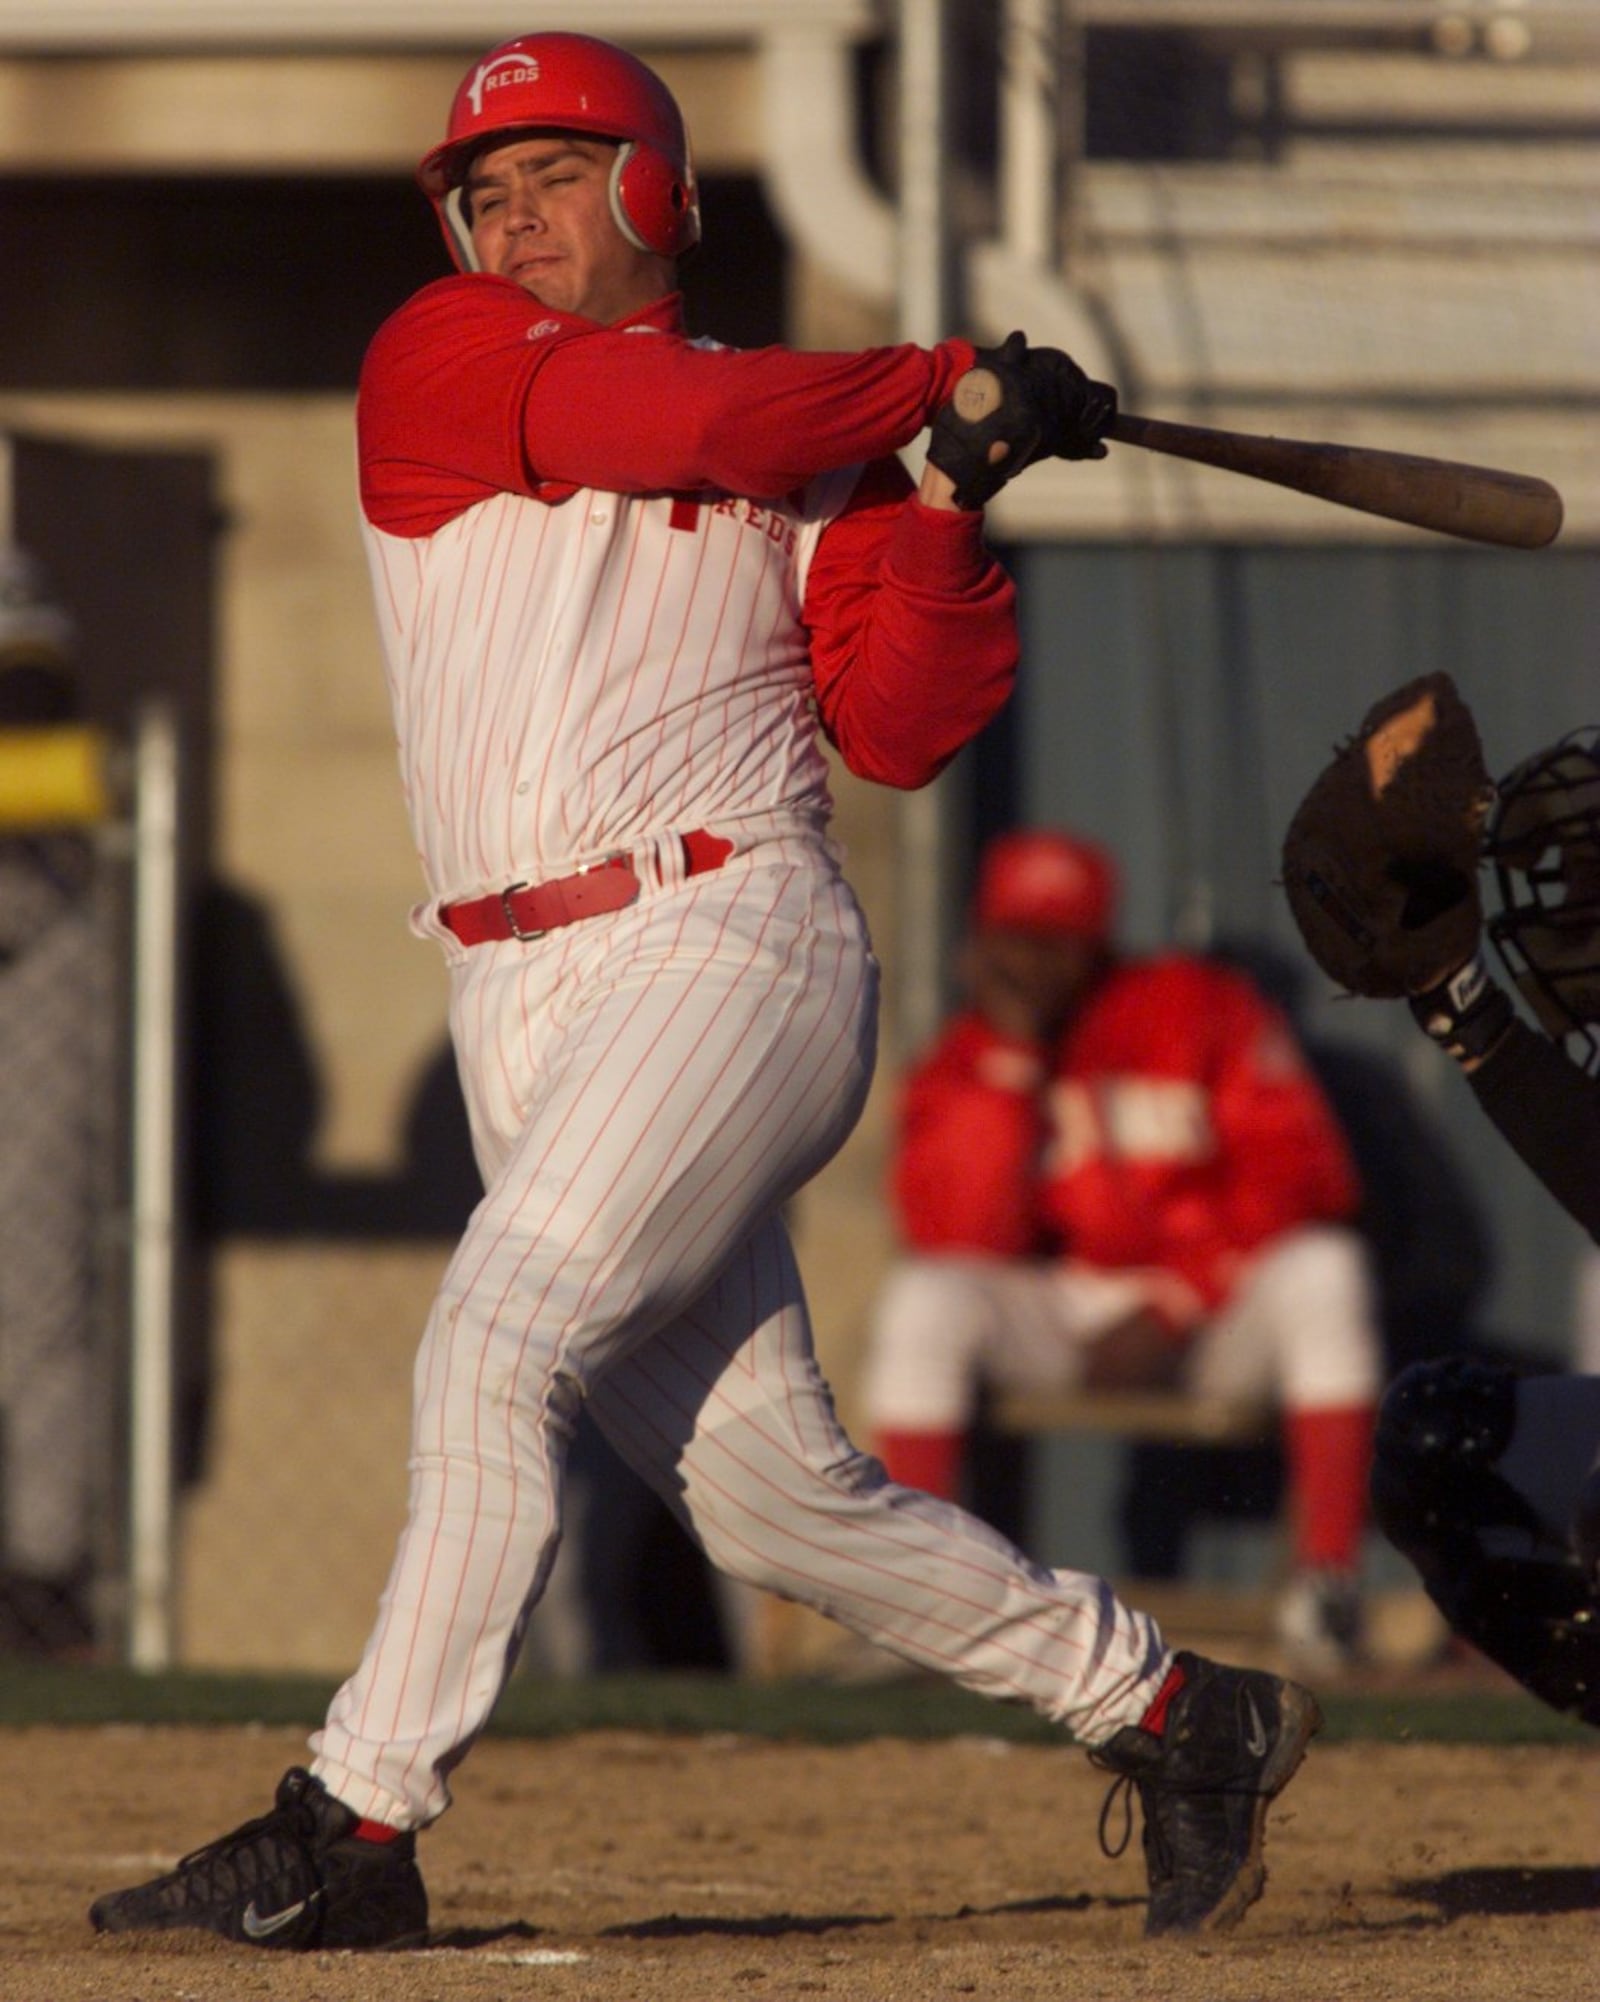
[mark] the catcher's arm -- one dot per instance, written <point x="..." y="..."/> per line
<point x="1547" y="1110"/>
<point x="1467" y="1013"/>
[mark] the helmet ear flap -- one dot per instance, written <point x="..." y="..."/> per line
<point x="458" y="228"/>
<point x="654" y="206"/>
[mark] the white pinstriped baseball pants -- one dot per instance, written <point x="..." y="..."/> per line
<point x="646" y="1089"/>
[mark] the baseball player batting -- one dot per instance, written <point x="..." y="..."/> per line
<point x="626" y="581"/>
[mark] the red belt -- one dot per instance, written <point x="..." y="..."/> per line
<point x="529" y="910"/>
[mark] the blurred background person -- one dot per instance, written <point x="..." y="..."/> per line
<point x="1433" y="1259"/>
<point x="1118" y="1173"/>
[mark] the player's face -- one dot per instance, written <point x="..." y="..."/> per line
<point x="540" y="211"/>
<point x="1029" y="984"/>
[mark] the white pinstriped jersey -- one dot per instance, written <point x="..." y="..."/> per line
<point x="592" y="552"/>
<point x="570" y="679"/>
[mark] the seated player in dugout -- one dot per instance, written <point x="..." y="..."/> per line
<point x="1486" y="1476"/>
<point x="611" y="685"/>
<point x="1117" y="1172"/>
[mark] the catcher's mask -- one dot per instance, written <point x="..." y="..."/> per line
<point x="1543" y="840"/>
<point x="572" y="83"/>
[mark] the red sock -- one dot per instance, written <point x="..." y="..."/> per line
<point x="927" y="1460"/>
<point x="1330" y="1454"/>
<point x="376" y="1831"/>
<point x="1154" y="1719"/>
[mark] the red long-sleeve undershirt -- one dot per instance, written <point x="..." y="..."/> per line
<point x="474" y="388"/>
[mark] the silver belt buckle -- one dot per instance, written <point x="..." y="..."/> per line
<point x="510" y="916"/>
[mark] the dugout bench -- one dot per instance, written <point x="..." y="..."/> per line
<point x="1189" y="1460"/>
<point x="1159" y="1415"/>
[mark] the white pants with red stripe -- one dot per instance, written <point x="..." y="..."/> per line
<point x="646" y="1089"/>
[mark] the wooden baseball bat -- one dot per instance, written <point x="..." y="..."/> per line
<point x="1480" y="503"/>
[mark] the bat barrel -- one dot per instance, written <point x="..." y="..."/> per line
<point x="1479" y="503"/>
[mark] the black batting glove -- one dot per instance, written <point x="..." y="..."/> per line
<point x="980" y="440"/>
<point x="1079" y="410"/>
<point x="1038" y="405"/>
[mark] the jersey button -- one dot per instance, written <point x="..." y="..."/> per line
<point x="599" y="517"/>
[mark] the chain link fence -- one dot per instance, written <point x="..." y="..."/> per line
<point x="58" y="1198"/>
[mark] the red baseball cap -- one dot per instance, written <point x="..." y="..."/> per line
<point x="1041" y="880"/>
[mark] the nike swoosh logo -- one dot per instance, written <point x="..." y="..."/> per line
<point x="254" y="1926"/>
<point x="1255" y="1737"/>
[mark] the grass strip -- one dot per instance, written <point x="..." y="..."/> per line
<point x="813" y="1712"/>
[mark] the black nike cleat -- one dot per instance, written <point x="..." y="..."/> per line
<point x="1234" y="1738"/>
<point x="297" y="1877"/>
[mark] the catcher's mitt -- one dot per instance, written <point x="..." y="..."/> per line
<point x="1028" y="404"/>
<point x="1380" y="861"/>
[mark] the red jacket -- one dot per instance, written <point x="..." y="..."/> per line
<point x="1176" y="1127"/>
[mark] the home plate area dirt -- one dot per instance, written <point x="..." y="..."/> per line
<point x="627" y="1867"/>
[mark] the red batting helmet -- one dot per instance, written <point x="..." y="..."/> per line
<point x="573" y="83"/>
<point x="1046" y="882"/>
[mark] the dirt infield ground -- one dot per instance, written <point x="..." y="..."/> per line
<point x="630" y="1867"/>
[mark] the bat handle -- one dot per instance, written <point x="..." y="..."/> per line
<point x="1126" y="429"/>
